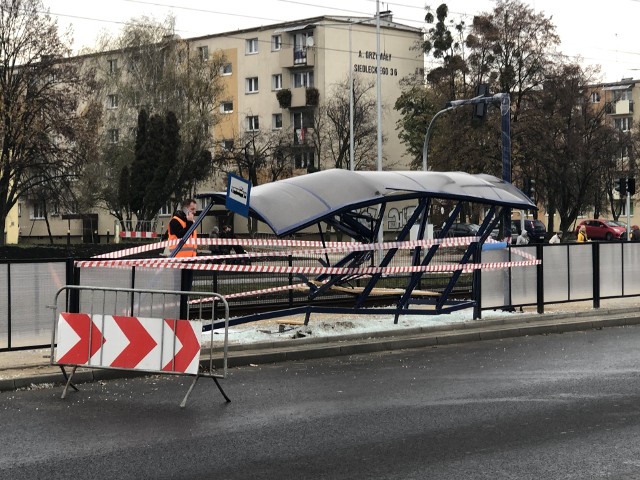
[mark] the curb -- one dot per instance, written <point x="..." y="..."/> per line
<point x="352" y="344"/>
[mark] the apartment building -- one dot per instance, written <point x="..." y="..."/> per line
<point x="619" y="99"/>
<point x="276" y="77"/>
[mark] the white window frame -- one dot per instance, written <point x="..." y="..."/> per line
<point x="276" y="43"/>
<point x="595" y="97"/>
<point x="252" y="85"/>
<point x="112" y="101"/>
<point x="37" y="211"/>
<point x="253" y="123"/>
<point x="166" y="210"/>
<point x="274" y="121"/>
<point x="302" y="79"/>
<point x="276" y="81"/>
<point x="226" y="107"/>
<point x="203" y="52"/>
<point x="226" y="69"/>
<point x="251" y="46"/>
<point x="113" y="65"/>
<point x="623" y="124"/>
<point x="226" y="145"/>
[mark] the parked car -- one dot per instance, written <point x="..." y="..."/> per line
<point x="464" y="230"/>
<point x="535" y="229"/>
<point x="599" y="229"/>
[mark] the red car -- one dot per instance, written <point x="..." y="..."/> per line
<point x="598" y="229"/>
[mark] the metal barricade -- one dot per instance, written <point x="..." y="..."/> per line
<point x="135" y="329"/>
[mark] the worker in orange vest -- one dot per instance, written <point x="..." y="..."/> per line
<point x="180" y="224"/>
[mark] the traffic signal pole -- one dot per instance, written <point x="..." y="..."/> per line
<point x="628" y="215"/>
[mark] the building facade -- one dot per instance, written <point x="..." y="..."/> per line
<point x="276" y="79"/>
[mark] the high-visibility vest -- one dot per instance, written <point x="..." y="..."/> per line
<point x="188" y="249"/>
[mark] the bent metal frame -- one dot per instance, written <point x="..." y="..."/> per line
<point x="334" y="197"/>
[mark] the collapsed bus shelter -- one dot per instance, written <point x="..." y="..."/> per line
<point x="338" y="199"/>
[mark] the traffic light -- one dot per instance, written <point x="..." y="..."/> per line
<point x="623" y="186"/>
<point x="480" y="109"/>
<point x="617" y="184"/>
<point x="529" y="187"/>
<point x="631" y="185"/>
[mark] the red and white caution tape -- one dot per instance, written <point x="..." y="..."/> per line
<point x="138" y="235"/>
<point x="150" y="263"/>
<point x="327" y="247"/>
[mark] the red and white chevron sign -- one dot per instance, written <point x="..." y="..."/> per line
<point x="136" y="343"/>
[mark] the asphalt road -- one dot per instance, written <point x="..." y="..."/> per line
<point x="543" y="407"/>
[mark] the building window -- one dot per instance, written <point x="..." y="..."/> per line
<point x="252" y="46"/>
<point x="303" y="160"/>
<point x="227" y="145"/>
<point x="227" y="107"/>
<point x="113" y="135"/>
<point x="227" y="69"/>
<point x="276" y="43"/>
<point x="112" y="101"/>
<point x="252" y="123"/>
<point x="623" y="124"/>
<point x="276" y="81"/>
<point x="302" y="120"/>
<point x="203" y="53"/>
<point x="276" y="121"/>
<point x="37" y="211"/>
<point x="622" y="95"/>
<point x="303" y="79"/>
<point x="252" y="85"/>
<point x="595" y="97"/>
<point x="166" y="210"/>
<point x="113" y="65"/>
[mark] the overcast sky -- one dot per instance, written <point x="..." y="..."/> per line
<point x="603" y="33"/>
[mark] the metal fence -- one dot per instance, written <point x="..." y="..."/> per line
<point x="569" y="272"/>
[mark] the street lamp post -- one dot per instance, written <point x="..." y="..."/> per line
<point x="504" y="101"/>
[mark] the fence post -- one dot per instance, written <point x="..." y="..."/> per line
<point x="73" y="278"/>
<point x="9" y="305"/>
<point x="595" y="257"/>
<point x="540" y="277"/>
<point x="186" y="279"/>
<point x="290" y="283"/>
<point x="477" y="285"/>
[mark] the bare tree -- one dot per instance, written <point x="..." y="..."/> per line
<point x="149" y="67"/>
<point x="332" y="131"/>
<point x="40" y="121"/>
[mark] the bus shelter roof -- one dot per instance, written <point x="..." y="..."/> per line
<point x="293" y="204"/>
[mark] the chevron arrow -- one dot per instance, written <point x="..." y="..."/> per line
<point x="81" y="352"/>
<point x="184" y="331"/>
<point x="140" y="342"/>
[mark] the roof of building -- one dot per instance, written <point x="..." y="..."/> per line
<point x="290" y="205"/>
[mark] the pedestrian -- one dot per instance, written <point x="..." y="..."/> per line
<point x="180" y="224"/>
<point x="635" y="233"/>
<point x="214" y="248"/>
<point x="557" y="238"/>
<point x="582" y="234"/>
<point x="523" y="238"/>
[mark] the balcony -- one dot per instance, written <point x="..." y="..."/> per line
<point x="297" y="57"/>
<point x="304" y="97"/>
<point x="623" y="107"/>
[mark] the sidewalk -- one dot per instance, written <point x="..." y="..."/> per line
<point x="31" y="368"/>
